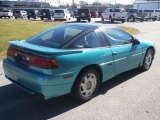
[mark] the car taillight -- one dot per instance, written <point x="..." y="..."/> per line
<point x="42" y="62"/>
<point x="10" y="52"/>
<point x="34" y="60"/>
<point x="113" y="14"/>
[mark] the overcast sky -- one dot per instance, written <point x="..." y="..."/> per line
<point x="113" y="1"/>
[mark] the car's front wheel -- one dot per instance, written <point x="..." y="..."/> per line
<point x="148" y="59"/>
<point x="86" y="85"/>
<point x="110" y="19"/>
<point x="102" y="19"/>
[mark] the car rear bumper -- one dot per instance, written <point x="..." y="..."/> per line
<point x="60" y="18"/>
<point x="35" y="82"/>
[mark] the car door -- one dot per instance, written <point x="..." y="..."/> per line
<point x="105" y="14"/>
<point x="98" y="52"/>
<point x="125" y="55"/>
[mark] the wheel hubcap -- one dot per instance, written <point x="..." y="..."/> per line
<point x="148" y="60"/>
<point x="88" y="85"/>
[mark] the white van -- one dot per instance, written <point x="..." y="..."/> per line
<point x="62" y="14"/>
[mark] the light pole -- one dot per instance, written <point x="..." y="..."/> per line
<point x="73" y="2"/>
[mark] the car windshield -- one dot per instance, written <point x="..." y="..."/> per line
<point x="148" y="10"/>
<point x="5" y="10"/>
<point x="83" y="10"/>
<point x="59" y="11"/>
<point x="57" y="36"/>
<point x="17" y="11"/>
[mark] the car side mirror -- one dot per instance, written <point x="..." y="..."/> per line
<point x="135" y="41"/>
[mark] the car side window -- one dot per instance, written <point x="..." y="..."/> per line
<point x="90" y="40"/>
<point x="117" y="36"/>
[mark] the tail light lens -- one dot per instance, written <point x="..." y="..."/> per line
<point x="34" y="60"/>
<point x="43" y="62"/>
<point x="113" y="14"/>
<point x="10" y="52"/>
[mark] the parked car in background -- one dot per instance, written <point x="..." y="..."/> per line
<point x="46" y="14"/>
<point x="20" y="14"/>
<point x="83" y="14"/>
<point x="100" y="13"/>
<point x="94" y="14"/>
<point x="157" y="14"/>
<point x="148" y="14"/>
<point x="6" y="13"/>
<point x="74" y="58"/>
<point x="114" y="14"/>
<point x="32" y="14"/>
<point x="132" y="15"/>
<point x="73" y="13"/>
<point x="62" y="14"/>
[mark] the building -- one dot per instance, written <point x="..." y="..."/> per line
<point x="146" y="4"/>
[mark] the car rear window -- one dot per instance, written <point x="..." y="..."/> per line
<point x="131" y="10"/>
<point x="59" y="11"/>
<point x="157" y="11"/>
<point x="57" y="36"/>
<point x="148" y="10"/>
<point x="114" y="10"/>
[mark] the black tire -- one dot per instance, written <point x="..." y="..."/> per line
<point x="42" y="18"/>
<point x="141" y="20"/>
<point x="89" y="19"/>
<point x="78" y="19"/>
<point x="153" y="19"/>
<point x="123" y="21"/>
<point x="145" y="65"/>
<point x="28" y="18"/>
<point x="78" y="89"/>
<point x="110" y="19"/>
<point x="132" y="19"/>
<point x="102" y="19"/>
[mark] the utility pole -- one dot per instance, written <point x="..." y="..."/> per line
<point x="73" y="2"/>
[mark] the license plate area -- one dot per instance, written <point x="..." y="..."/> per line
<point x="21" y="59"/>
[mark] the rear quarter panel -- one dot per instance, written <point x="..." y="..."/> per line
<point x="74" y="63"/>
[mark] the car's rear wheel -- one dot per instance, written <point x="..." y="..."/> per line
<point x="89" y="19"/>
<point x="86" y="85"/>
<point x="42" y="18"/>
<point x="110" y="19"/>
<point x="148" y="59"/>
<point x="78" y="19"/>
<point x="123" y="21"/>
<point x="131" y="19"/>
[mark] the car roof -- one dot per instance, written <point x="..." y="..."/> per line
<point x="90" y="25"/>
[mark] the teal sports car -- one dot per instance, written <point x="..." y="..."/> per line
<point x="74" y="58"/>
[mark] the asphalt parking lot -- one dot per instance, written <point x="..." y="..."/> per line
<point x="133" y="95"/>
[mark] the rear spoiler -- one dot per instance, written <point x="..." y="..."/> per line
<point x="25" y="46"/>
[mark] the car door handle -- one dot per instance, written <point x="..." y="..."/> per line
<point x="114" y="53"/>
